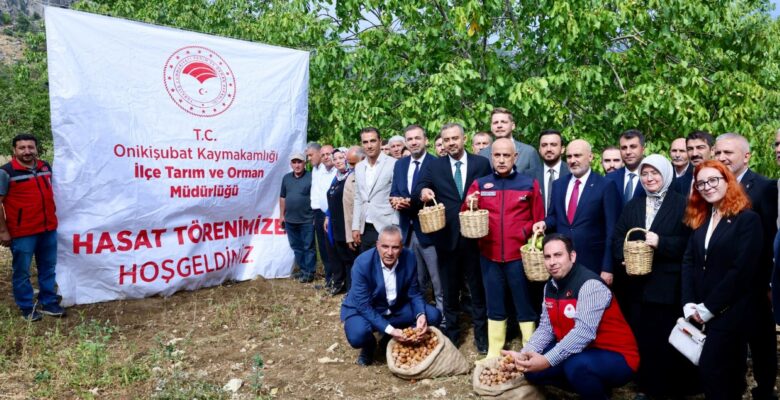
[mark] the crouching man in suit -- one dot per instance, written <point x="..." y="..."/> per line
<point x="385" y="296"/>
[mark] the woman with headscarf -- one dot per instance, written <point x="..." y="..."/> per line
<point x="652" y="302"/>
<point x="338" y="221"/>
<point x="719" y="266"/>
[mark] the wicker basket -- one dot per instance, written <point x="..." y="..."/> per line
<point x="533" y="263"/>
<point x="637" y="254"/>
<point x="473" y="223"/>
<point x="432" y="218"/>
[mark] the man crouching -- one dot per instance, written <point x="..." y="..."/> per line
<point x="384" y="296"/>
<point x="583" y="343"/>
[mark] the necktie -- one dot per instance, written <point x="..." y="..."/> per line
<point x="575" y="194"/>
<point x="414" y="175"/>
<point x="547" y="191"/>
<point x="629" y="192"/>
<point x="459" y="178"/>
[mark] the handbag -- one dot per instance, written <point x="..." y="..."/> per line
<point x="688" y="340"/>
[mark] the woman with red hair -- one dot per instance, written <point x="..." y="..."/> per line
<point x="718" y="268"/>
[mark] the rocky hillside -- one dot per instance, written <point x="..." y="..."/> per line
<point x="29" y="7"/>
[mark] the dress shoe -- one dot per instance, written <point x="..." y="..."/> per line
<point x="365" y="358"/>
<point x="337" y="290"/>
<point x="306" y="279"/>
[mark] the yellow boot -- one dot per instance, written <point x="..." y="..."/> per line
<point x="526" y="329"/>
<point x="496" y="333"/>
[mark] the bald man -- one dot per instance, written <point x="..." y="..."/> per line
<point x="733" y="150"/>
<point x="514" y="202"/>
<point x="584" y="207"/>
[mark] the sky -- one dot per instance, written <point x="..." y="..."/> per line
<point x="776" y="11"/>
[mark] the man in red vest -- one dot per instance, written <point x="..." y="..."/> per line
<point x="583" y="343"/>
<point x="28" y="224"/>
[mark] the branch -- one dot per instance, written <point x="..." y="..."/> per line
<point x="614" y="71"/>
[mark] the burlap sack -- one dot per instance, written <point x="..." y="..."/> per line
<point x="444" y="360"/>
<point x="517" y="388"/>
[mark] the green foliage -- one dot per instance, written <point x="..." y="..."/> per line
<point x="258" y="374"/>
<point x="589" y="68"/>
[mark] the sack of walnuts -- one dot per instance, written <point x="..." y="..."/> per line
<point x="431" y="355"/>
<point x="498" y="378"/>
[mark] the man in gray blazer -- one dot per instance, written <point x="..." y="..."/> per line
<point x="502" y="124"/>
<point x="374" y="179"/>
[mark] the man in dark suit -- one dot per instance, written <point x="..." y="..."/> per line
<point x="626" y="179"/>
<point x="406" y="174"/>
<point x="733" y="150"/>
<point x="502" y="124"/>
<point x="698" y="144"/>
<point x="776" y="247"/>
<point x="447" y="179"/>
<point x="384" y="296"/>
<point x="585" y="207"/>
<point x="551" y="149"/>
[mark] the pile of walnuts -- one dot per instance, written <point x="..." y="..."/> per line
<point x="415" y="350"/>
<point x="506" y="371"/>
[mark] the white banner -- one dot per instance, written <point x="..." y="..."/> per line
<point x="169" y="151"/>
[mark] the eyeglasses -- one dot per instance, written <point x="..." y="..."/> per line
<point x="711" y="182"/>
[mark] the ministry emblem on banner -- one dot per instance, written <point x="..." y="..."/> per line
<point x="199" y="81"/>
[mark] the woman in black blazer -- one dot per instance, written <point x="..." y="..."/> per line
<point x="652" y="302"/>
<point x="718" y="267"/>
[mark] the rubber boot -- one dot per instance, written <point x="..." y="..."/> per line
<point x="526" y="330"/>
<point x="496" y="332"/>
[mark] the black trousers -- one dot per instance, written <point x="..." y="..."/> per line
<point x="663" y="371"/>
<point x="368" y="238"/>
<point x="762" y="342"/>
<point x="345" y="256"/>
<point x="327" y="255"/>
<point x="723" y="364"/>
<point x="455" y="267"/>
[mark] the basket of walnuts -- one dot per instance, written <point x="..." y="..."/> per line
<point x="425" y="354"/>
<point x="500" y="378"/>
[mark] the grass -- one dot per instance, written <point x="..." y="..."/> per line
<point x="91" y="358"/>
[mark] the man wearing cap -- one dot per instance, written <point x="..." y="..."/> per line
<point x="297" y="216"/>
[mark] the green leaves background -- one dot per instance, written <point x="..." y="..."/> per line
<point x="590" y="68"/>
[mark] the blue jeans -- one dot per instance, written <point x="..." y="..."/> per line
<point x="497" y="278"/>
<point x="44" y="247"/>
<point x="591" y="374"/>
<point x="301" y="238"/>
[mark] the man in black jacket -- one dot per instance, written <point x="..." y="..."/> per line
<point x="733" y="150"/>
<point x="447" y="179"/>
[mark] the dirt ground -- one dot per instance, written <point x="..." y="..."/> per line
<point x="11" y="49"/>
<point x="217" y="334"/>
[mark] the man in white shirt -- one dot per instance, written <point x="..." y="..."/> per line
<point x="406" y="174"/>
<point x="550" y="148"/>
<point x="502" y="125"/>
<point x="679" y="155"/>
<point x="384" y="302"/>
<point x="632" y="149"/>
<point x="374" y="178"/>
<point x="322" y="174"/>
<point x="733" y="150"/>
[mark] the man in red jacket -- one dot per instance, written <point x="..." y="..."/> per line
<point x="583" y="342"/>
<point x="514" y="202"/>
<point x="28" y="224"/>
